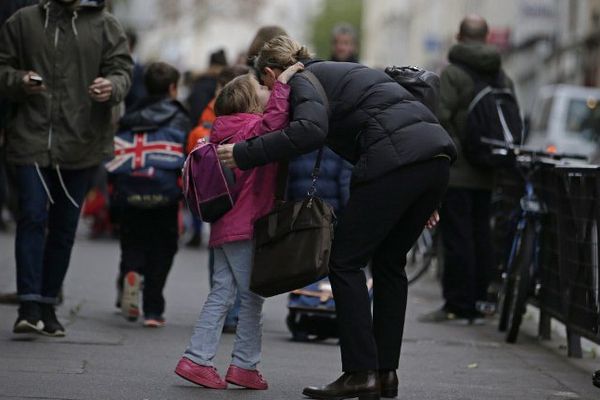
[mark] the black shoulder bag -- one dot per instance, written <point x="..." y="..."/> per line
<point x="292" y="243"/>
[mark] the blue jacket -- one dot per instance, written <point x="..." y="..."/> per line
<point x="333" y="185"/>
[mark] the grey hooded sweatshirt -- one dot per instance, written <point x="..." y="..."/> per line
<point x="69" y="48"/>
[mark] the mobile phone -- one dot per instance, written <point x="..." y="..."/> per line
<point x="37" y="80"/>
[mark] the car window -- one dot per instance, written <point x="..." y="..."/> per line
<point x="583" y="117"/>
<point x="540" y="119"/>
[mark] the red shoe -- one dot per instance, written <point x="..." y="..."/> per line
<point x="248" y="378"/>
<point x="200" y="374"/>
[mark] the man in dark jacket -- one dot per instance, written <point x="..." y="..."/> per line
<point x="401" y="158"/>
<point x="465" y="214"/>
<point x="65" y="64"/>
<point x="7" y="8"/>
<point x="344" y="43"/>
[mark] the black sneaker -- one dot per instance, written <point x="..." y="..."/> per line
<point x="596" y="379"/>
<point x="51" y="325"/>
<point x="29" y="319"/>
<point x="439" y="316"/>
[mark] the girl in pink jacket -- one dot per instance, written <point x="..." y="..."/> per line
<point x="244" y="109"/>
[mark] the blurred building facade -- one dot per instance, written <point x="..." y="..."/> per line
<point x="185" y="32"/>
<point x="544" y="41"/>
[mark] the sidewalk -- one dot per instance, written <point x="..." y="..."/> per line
<point x="104" y="357"/>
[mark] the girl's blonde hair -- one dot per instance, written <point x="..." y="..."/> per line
<point x="238" y="96"/>
<point x="280" y="52"/>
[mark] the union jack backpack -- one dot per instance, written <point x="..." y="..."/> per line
<point x="146" y="169"/>
<point x="208" y="186"/>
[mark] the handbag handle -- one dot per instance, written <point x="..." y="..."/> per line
<point x="282" y="174"/>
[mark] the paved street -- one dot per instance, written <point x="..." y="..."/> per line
<point x="104" y="357"/>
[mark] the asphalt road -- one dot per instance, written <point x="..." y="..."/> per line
<point x="105" y="357"/>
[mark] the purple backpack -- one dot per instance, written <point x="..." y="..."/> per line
<point x="208" y="186"/>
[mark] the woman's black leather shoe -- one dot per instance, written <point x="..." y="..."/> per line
<point x="364" y="385"/>
<point x="389" y="383"/>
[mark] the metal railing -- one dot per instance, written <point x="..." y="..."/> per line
<point x="569" y="288"/>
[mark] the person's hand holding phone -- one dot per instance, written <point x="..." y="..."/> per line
<point x="101" y="90"/>
<point x="33" y="83"/>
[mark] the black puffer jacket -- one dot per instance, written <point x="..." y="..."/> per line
<point x="375" y="123"/>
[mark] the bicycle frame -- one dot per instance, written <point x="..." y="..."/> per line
<point x="532" y="209"/>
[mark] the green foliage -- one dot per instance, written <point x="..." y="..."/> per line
<point x="334" y="12"/>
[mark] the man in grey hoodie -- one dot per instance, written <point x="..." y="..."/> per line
<point x="465" y="213"/>
<point x="64" y="64"/>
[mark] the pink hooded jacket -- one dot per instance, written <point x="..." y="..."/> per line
<point x="256" y="187"/>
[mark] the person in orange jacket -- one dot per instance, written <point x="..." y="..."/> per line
<point x="202" y="130"/>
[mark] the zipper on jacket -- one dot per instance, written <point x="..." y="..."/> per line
<point x="56" y="35"/>
<point x="56" y="32"/>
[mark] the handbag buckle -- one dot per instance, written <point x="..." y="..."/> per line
<point x="313" y="187"/>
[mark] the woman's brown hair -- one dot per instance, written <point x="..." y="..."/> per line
<point x="238" y="96"/>
<point x="263" y="35"/>
<point x="280" y="52"/>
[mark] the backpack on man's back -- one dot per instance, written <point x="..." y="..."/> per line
<point x="493" y="114"/>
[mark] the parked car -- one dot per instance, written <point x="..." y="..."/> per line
<point x="566" y="119"/>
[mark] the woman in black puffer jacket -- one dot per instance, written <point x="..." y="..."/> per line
<point x="401" y="158"/>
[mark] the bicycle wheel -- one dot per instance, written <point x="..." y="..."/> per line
<point x="420" y="255"/>
<point x="522" y="275"/>
<point x="506" y="292"/>
<point x="505" y="296"/>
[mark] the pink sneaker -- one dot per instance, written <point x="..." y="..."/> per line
<point x="200" y="374"/>
<point x="251" y="379"/>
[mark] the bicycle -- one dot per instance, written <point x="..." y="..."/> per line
<point x="424" y="253"/>
<point x="521" y="277"/>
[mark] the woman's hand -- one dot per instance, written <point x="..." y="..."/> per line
<point x="433" y="220"/>
<point x="286" y="75"/>
<point x="225" y="154"/>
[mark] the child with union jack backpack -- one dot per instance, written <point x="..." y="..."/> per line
<point x="145" y="172"/>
